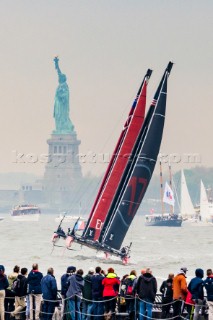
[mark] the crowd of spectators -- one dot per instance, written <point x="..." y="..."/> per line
<point x="99" y="294"/>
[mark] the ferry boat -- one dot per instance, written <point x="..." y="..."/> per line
<point x="25" y="212"/>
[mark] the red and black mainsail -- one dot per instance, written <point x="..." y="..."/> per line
<point x="111" y="183"/>
<point x="138" y="172"/>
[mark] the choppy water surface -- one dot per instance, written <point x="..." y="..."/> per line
<point x="162" y="249"/>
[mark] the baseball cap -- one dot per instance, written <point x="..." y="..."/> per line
<point x="92" y="270"/>
<point x="184" y="269"/>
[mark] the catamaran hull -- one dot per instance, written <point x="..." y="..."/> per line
<point x="70" y="239"/>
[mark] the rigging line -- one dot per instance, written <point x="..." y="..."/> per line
<point x="120" y="145"/>
<point x="130" y="202"/>
<point x="106" y="142"/>
<point x="88" y="185"/>
<point x="118" y="122"/>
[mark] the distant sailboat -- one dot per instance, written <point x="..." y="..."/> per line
<point x="187" y="208"/>
<point x="205" y="205"/>
<point x="165" y="219"/>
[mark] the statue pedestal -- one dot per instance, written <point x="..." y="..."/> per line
<point x="63" y="176"/>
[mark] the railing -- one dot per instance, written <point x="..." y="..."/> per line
<point x="63" y="311"/>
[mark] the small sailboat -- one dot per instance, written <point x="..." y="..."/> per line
<point x="187" y="208"/>
<point x="206" y="215"/>
<point x="127" y="176"/>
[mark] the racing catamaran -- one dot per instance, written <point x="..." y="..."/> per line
<point x="127" y="176"/>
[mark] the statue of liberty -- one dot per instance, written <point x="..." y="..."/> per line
<point x="63" y="124"/>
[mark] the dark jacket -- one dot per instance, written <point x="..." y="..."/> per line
<point x="21" y="290"/>
<point x="208" y="284"/>
<point x="97" y="287"/>
<point x="34" y="282"/>
<point x="4" y="284"/>
<point x="146" y="287"/>
<point x="195" y="286"/>
<point x="76" y="284"/>
<point x="49" y="287"/>
<point x="64" y="283"/>
<point x="87" y="290"/>
<point x="166" y="290"/>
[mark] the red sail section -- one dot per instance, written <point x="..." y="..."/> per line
<point x="117" y="166"/>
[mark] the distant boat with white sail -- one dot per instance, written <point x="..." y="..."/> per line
<point x="186" y="206"/>
<point x="206" y="207"/>
<point x="165" y="219"/>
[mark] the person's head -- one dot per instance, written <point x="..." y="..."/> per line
<point x="148" y="270"/>
<point x="133" y="272"/>
<point x="171" y="276"/>
<point x="2" y="269"/>
<point x="199" y="273"/>
<point x="80" y="272"/>
<point x="24" y="271"/>
<point x="50" y="271"/>
<point x="98" y="269"/>
<point x="71" y="269"/>
<point x="209" y="272"/>
<point x="143" y="271"/>
<point x="111" y="270"/>
<point x="91" y="270"/>
<point x="35" y="266"/>
<point x="124" y="277"/>
<point x="16" y="269"/>
<point x="183" y="270"/>
<point x="103" y="272"/>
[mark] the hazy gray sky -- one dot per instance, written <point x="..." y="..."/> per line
<point x="105" y="47"/>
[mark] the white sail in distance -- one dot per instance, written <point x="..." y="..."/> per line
<point x="204" y="204"/>
<point x="187" y="208"/>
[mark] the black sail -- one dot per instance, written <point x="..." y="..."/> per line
<point x="139" y="171"/>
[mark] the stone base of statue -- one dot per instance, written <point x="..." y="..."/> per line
<point x="63" y="176"/>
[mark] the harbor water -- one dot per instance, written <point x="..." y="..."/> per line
<point x="163" y="249"/>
